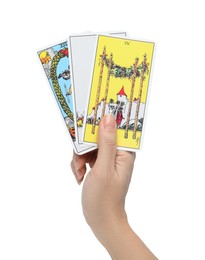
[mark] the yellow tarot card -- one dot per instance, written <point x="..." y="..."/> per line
<point x="119" y="86"/>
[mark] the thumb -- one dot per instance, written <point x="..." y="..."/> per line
<point x="107" y="142"/>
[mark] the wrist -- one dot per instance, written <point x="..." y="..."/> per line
<point x="110" y="227"/>
<point x="121" y="242"/>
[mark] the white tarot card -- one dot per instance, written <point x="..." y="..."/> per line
<point x="82" y="52"/>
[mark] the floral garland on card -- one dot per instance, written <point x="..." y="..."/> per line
<point x="122" y="72"/>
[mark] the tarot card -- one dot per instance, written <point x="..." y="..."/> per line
<point x="55" y="62"/>
<point x="119" y="86"/>
<point x="82" y="52"/>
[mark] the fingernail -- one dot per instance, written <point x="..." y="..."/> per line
<point x="109" y="122"/>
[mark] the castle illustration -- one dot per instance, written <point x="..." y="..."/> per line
<point x="120" y="110"/>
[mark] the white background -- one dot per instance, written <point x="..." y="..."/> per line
<point x="40" y="210"/>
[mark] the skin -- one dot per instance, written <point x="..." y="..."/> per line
<point x="104" y="192"/>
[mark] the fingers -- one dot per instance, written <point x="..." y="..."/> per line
<point x="126" y="154"/>
<point x="107" y="142"/>
<point x="78" y="166"/>
<point x="125" y="163"/>
<point x="92" y="159"/>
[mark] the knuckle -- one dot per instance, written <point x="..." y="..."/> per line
<point x="129" y="157"/>
<point x="109" y="139"/>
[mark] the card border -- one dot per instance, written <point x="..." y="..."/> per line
<point x="72" y="74"/>
<point x="74" y="145"/>
<point x="147" y="99"/>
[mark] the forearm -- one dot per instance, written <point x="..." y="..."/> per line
<point x="122" y="243"/>
<point x="104" y="192"/>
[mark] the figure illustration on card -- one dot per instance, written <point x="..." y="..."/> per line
<point x="125" y="106"/>
<point x="55" y="62"/>
<point x="119" y="86"/>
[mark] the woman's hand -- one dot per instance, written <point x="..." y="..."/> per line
<point x="78" y="164"/>
<point x="104" y="192"/>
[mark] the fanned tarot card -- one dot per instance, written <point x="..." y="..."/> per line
<point x="82" y="52"/>
<point x="119" y="86"/>
<point x="55" y="62"/>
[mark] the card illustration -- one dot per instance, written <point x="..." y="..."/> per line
<point x="56" y="66"/>
<point x="55" y="62"/>
<point x="82" y="52"/>
<point x="119" y="86"/>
